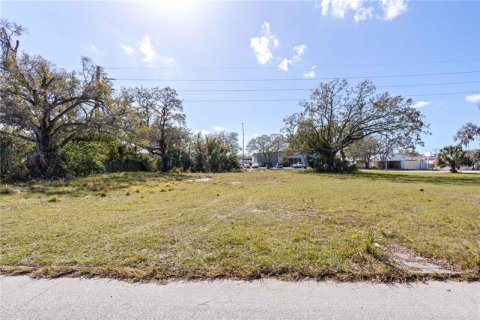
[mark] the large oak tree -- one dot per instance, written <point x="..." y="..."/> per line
<point x="45" y="105"/>
<point x="160" y="122"/>
<point x="337" y="115"/>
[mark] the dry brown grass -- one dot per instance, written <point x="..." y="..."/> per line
<point x="283" y="224"/>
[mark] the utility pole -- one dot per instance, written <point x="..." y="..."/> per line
<point x="97" y="83"/>
<point x="243" y="147"/>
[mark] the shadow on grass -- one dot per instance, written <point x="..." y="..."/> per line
<point x="465" y="179"/>
<point x="97" y="183"/>
<point x="418" y="177"/>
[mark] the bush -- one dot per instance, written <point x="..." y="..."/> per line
<point x="320" y="165"/>
<point x="8" y="190"/>
<point x="96" y="185"/>
<point x="53" y="199"/>
<point x="147" y="161"/>
<point x="84" y="158"/>
<point x="123" y="157"/>
<point x="13" y="155"/>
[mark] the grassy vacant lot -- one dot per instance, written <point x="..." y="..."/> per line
<point x="287" y="224"/>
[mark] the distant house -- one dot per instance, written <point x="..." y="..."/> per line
<point x="405" y="162"/>
<point x="402" y="162"/>
<point x="287" y="159"/>
<point x="246" y="160"/>
<point x="393" y="161"/>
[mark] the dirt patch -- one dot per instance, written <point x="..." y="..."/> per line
<point x="407" y="260"/>
<point x="220" y="216"/>
<point x="9" y="190"/>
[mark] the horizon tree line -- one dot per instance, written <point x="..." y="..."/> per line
<point x="55" y="122"/>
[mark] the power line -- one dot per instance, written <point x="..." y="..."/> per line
<point x="296" y="100"/>
<point x="310" y="89"/>
<point x="296" y="79"/>
<point x="294" y="67"/>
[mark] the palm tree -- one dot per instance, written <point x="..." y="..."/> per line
<point x="453" y="157"/>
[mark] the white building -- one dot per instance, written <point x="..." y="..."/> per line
<point x="403" y="162"/>
<point x="287" y="159"/>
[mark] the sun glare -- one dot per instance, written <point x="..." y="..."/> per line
<point x="174" y="5"/>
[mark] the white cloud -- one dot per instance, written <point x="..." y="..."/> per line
<point x="474" y="98"/>
<point x="393" y="8"/>
<point x="146" y="49"/>
<point x="310" y="73"/>
<point x="149" y="54"/>
<point x="363" y="14"/>
<point x="421" y="104"/>
<point x="262" y="45"/>
<point x="340" y="8"/>
<point x="255" y="135"/>
<point x="266" y="32"/>
<point x="298" y="52"/>
<point x="218" y="128"/>
<point x="128" y="50"/>
<point x="285" y="64"/>
<point x="94" y="49"/>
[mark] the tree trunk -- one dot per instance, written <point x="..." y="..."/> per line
<point x="45" y="158"/>
<point x="165" y="162"/>
<point x="330" y="160"/>
<point x="453" y="168"/>
<point x="164" y="155"/>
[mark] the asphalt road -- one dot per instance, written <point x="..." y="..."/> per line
<point x="66" y="298"/>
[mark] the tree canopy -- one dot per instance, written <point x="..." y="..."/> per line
<point x="468" y="133"/>
<point x="55" y="122"/>
<point x="267" y="145"/>
<point x="364" y="149"/>
<point x="337" y="115"/>
<point x="215" y="152"/>
<point x="46" y="105"/>
<point x="160" y="125"/>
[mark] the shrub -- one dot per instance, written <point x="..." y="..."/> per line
<point x="453" y="157"/>
<point x="13" y="155"/>
<point x="320" y="165"/>
<point x="96" y="185"/>
<point x="84" y="158"/>
<point x="8" y="190"/>
<point x="53" y="199"/>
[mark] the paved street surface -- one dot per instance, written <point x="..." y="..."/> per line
<point x="65" y="298"/>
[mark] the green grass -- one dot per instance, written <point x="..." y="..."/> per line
<point x="287" y="224"/>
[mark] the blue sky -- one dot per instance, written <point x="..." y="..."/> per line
<point x="270" y="40"/>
